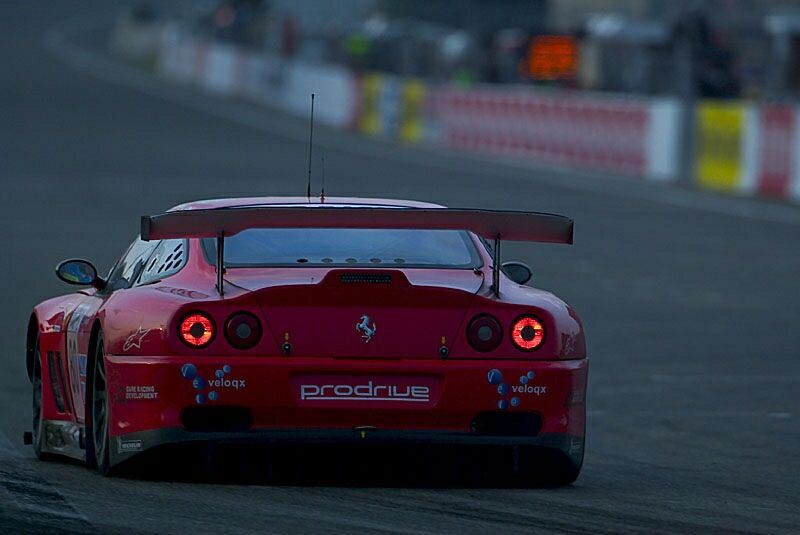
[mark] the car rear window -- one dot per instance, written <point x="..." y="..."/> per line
<point x="347" y="247"/>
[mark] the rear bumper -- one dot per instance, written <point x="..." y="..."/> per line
<point x="166" y="400"/>
<point x="125" y="447"/>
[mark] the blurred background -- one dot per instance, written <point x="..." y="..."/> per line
<point x="667" y="129"/>
<point x="697" y="92"/>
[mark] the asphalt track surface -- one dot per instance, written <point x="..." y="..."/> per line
<point x="689" y="301"/>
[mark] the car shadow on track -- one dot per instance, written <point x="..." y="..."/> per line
<point x="423" y="466"/>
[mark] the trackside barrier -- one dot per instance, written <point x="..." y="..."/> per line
<point x="748" y="149"/>
<point x="741" y="147"/>
<point x="591" y="132"/>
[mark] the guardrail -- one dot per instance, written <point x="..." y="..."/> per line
<point x="741" y="148"/>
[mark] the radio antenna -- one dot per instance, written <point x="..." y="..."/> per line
<point x="310" y="145"/>
<point x="322" y="192"/>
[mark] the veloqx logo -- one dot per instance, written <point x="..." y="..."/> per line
<point x="368" y="391"/>
<point x="495" y="377"/>
<point x="189" y="371"/>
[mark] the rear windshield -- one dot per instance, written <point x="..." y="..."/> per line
<point x="347" y="247"/>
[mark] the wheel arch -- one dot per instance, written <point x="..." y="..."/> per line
<point x="95" y="333"/>
<point x="30" y="344"/>
<point x="93" y="337"/>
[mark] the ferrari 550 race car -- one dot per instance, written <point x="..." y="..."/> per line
<point x="279" y="320"/>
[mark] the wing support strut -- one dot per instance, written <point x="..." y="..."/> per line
<point x="220" y="261"/>
<point x="496" y="266"/>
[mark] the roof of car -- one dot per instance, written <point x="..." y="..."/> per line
<point x="241" y="202"/>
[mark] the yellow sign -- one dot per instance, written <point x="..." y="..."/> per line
<point x="719" y="142"/>
<point x="411" y="103"/>
<point x="370" y="118"/>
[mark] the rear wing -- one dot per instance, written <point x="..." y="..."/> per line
<point x="488" y="224"/>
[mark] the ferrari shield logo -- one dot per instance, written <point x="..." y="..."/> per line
<point x="364" y="328"/>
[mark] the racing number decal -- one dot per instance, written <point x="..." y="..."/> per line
<point x="77" y="353"/>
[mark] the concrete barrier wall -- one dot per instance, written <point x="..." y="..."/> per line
<point x="741" y="148"/>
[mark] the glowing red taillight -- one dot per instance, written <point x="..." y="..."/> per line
<point x="527" y="333"/>
<point x="243" y="330"/>
<point x="196" y="329"/>
<point x="484" y="333"/>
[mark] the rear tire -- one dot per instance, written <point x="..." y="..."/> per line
<point x="545" y="468"/>
<point x="97" y="413"/>
<point x="38" y="411"/>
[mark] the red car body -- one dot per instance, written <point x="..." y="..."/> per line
<point x="315" y="374"/>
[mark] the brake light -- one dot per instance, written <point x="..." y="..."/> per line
<point x="243" y="330"/>
<point x="484" y="333"/>
<point x="527" y="333"/>
<point x="196" y="330"/>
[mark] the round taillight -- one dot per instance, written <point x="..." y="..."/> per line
<point x="243" y="330"/>
<point x="527" y="333"/>
<point x="196" y="329"/>
<point x="484" y="333"/>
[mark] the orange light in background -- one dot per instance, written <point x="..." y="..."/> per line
<point x="552" y="57"/>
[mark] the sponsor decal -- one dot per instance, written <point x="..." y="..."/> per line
<point x="510" y="394"/>
<point x="189" y="294"/>
<point x="141" y="392"/>
<point x="78" y="321"/>
<point x="126" y="446"/>
<point x="207" y="388"/>
<point x="366" y="391"/>
<point x="568" y="343"/>
<point x="135" y="340"/>
<point x="366" y="331"/>
<point x="352" y="390"/>
<point x="121" y="393"/>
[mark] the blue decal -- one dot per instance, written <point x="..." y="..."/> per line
<point x="494" y="376"/>
<point x="189" y="371"/>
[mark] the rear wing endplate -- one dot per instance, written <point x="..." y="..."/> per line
<point x="489" y="224"/>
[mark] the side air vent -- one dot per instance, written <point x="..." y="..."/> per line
<point x="55" y="379"/>
<point x="365" y="278"/>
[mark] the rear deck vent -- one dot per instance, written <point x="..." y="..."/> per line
<point x="365" y="278"/>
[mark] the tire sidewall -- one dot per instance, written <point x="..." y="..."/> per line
<point x="102" y="464"/>
<point x="38" y="429"/>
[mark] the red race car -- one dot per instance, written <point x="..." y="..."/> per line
<point x="281" y="320"/>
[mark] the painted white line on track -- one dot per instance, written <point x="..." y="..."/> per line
<point x="56" y="42"/>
